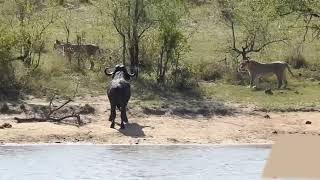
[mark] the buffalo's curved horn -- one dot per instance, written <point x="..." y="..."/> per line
<point x="107" y="73"/>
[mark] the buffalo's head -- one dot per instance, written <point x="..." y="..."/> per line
<point x="119" y="70"/>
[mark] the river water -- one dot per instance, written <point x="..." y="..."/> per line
<point x="107" y="162"/>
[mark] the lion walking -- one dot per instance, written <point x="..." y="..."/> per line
<point x="256" y="70"/>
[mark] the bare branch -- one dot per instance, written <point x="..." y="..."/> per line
<point x="114" y="22"/>
<point x="47" y="115"/>
<point x="234" y="39"/>
<point x="44" y="27"/>
<point x="268" y="43"/>
<point x="315" y="33"/>
<point x="286" y="14"/>
<point x="233" y="36"/>
<point x="237" y="50"/>
<point x="69" y="100"/>
<point x="252" y="43"/>
<point x="307" y="28"/>
<point x="246" y="42"/>
<point x="66" y="117"/>
<point x="28" y="120"/>
<point x="50" y="119"/>
<point x="192" y="33"/>
<point x="144" y="30"/>
<point x="50" y="104"/>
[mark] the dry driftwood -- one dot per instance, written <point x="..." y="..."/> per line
<point x="48" y="116"/>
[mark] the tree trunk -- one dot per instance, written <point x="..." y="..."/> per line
<point x="123" y="50"/>
<point x="133" y="37"/>
<point x="131" y="55"/>
<point x="78" y="53"/>
<point x="161" y="73"/>
<point x="136" y="38"/>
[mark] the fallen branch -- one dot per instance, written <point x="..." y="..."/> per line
<point x="50" y="119"/>
<point x="47" y="116"/>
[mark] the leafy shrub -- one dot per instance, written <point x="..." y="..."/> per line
<point x="297" y="61"/>
<point x="7" y="76"/>
<point x="184" y="77"/>
<point x="211" y="71"/>
<point x="236" y="78"/>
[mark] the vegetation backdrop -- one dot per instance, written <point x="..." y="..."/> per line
<point x="180" y="47"/>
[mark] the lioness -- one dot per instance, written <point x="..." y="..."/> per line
<point x="256" y="70"/>
<point x="88" y="49"/>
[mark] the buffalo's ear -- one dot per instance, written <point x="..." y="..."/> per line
<point x="131" y="74"/>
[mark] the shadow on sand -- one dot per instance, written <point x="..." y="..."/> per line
<point x="133" y="130"/>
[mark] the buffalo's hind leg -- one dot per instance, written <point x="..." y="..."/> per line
<point x="124" y="114"/>
<point x="112" y="116"/>
<point x="124" y="117"/>
<point x="122" y="126"/>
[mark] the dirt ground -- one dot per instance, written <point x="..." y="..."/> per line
<point x="244" y="126"/>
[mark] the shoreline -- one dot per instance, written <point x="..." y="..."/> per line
<point x="245" y="128"/>
<point x="241" y="145"/>
<point x="237" y="131"/>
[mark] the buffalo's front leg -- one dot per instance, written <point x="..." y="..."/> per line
<point x="112" y="116"/>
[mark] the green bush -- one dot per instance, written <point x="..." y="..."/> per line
<point x="297" y="61"/>
<point x="7" y="76"/>
<point x="211" y="71"/>
<point x="184" y="77"/>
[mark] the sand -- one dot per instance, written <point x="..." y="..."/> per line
<point x="246" y="126"/>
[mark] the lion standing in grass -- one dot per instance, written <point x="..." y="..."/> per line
<point x="257" y="70"/>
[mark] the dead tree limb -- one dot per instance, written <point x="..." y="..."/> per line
<point x="266" y="44"/>
<point x="250" y="44"/>
<point x="52" y="111"/>
<point x="50" y="119"/>
<point x="47" y="115"/>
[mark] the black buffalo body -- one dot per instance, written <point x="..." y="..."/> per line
<point x="119" y="93"/>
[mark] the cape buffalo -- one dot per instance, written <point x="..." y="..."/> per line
<point x="119" y="93"/>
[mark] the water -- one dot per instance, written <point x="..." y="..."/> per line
<point x="90" y="162"/>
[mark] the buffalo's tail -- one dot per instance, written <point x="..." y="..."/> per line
<point x="118" y="106"/>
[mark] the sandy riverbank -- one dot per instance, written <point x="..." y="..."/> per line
<point x="240" y="128"/>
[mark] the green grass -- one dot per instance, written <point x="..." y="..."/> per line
<point x="299" y="96"/>
<point x="207" y="45"/>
